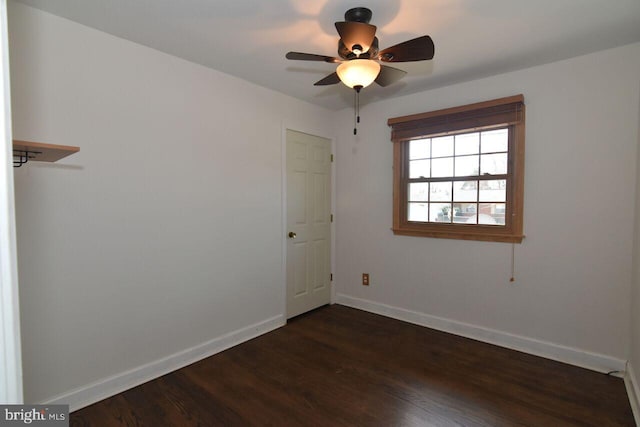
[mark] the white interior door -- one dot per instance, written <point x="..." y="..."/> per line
<point x="308" y="222"/>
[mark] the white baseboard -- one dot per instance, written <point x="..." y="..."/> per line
<point x="99" y="390"/>
<point x="573" y="356"/>
<point x="631" y="384"/>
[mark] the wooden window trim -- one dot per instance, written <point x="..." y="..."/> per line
<point x="498" y="113"/>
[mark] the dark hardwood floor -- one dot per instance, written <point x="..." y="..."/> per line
<point x="337" y="366"/>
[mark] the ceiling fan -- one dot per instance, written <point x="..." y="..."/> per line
<point x="359" y="54"/>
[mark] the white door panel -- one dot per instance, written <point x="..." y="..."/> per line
<point x="308" y="219"/>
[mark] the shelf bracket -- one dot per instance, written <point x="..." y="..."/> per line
<point x="20" y="157"/>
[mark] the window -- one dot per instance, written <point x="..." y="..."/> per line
<point x="458" y="173"/>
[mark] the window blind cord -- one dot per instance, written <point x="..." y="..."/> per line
<point x="513" y="263"/>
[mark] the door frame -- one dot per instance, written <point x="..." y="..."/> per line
<point x="10" y="351"/>
<point x="322" y="133"/>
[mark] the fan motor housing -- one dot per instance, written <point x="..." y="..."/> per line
<point x="358" y="14"/>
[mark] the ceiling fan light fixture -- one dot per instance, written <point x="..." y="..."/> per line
<point x="358" y="72"/>
<point x="359" y="53"/>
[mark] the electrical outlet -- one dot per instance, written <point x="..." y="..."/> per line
<point x="365" y="279"/>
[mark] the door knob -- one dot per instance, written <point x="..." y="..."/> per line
<point x="292" y="235"/>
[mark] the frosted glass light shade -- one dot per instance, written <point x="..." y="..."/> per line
<point x="358" y="72"/>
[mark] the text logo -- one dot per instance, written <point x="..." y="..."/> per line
<point x="34" y="415"/>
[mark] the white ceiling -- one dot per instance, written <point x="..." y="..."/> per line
<point x="249" y="38"/>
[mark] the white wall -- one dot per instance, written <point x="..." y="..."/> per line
<point x="164" y="231"/>
<point x="573" y="270"/>
<point x="634" y="358"/>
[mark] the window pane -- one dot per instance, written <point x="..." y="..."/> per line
<point x="494" y="141"/>
<point x="464" y="213"/>
<point x="442" y="146"/>
<point x="418" y="212"/>
<point x="493" y="190"/>
<point x="494" y="164"/>
<point x="419" y="149"/>
<point x="468" y="143"/>
<point x="467" y="166"/>
<point x="419" y="192"/>
<point x="440" y="191"/>
<point x="465" y="191"/>
<point x="440" y="212"/>
<point x="491" y="213"/>
<point x="419" y="168"/>
<point x="442" y="167"/>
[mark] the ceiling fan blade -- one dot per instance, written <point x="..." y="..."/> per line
<point x="356" y="33"/>
<point x="389" y="75"/>
<point x="331" y="79"/>
<point x="310" y="57"/>
<point x="418" y="49"/>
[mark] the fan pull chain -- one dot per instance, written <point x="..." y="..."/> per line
<point x="355" y="113"/>
<point x="358" y="106"/>
<point x="356" y="109"/>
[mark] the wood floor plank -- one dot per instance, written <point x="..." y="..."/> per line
<point x="338" y="366"/>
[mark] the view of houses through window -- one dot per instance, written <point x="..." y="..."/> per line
<point x="459" y="178"/>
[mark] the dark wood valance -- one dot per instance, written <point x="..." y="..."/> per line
<point x="498" y="112"/>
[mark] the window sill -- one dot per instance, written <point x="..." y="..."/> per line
<point x="464" y="235"/>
